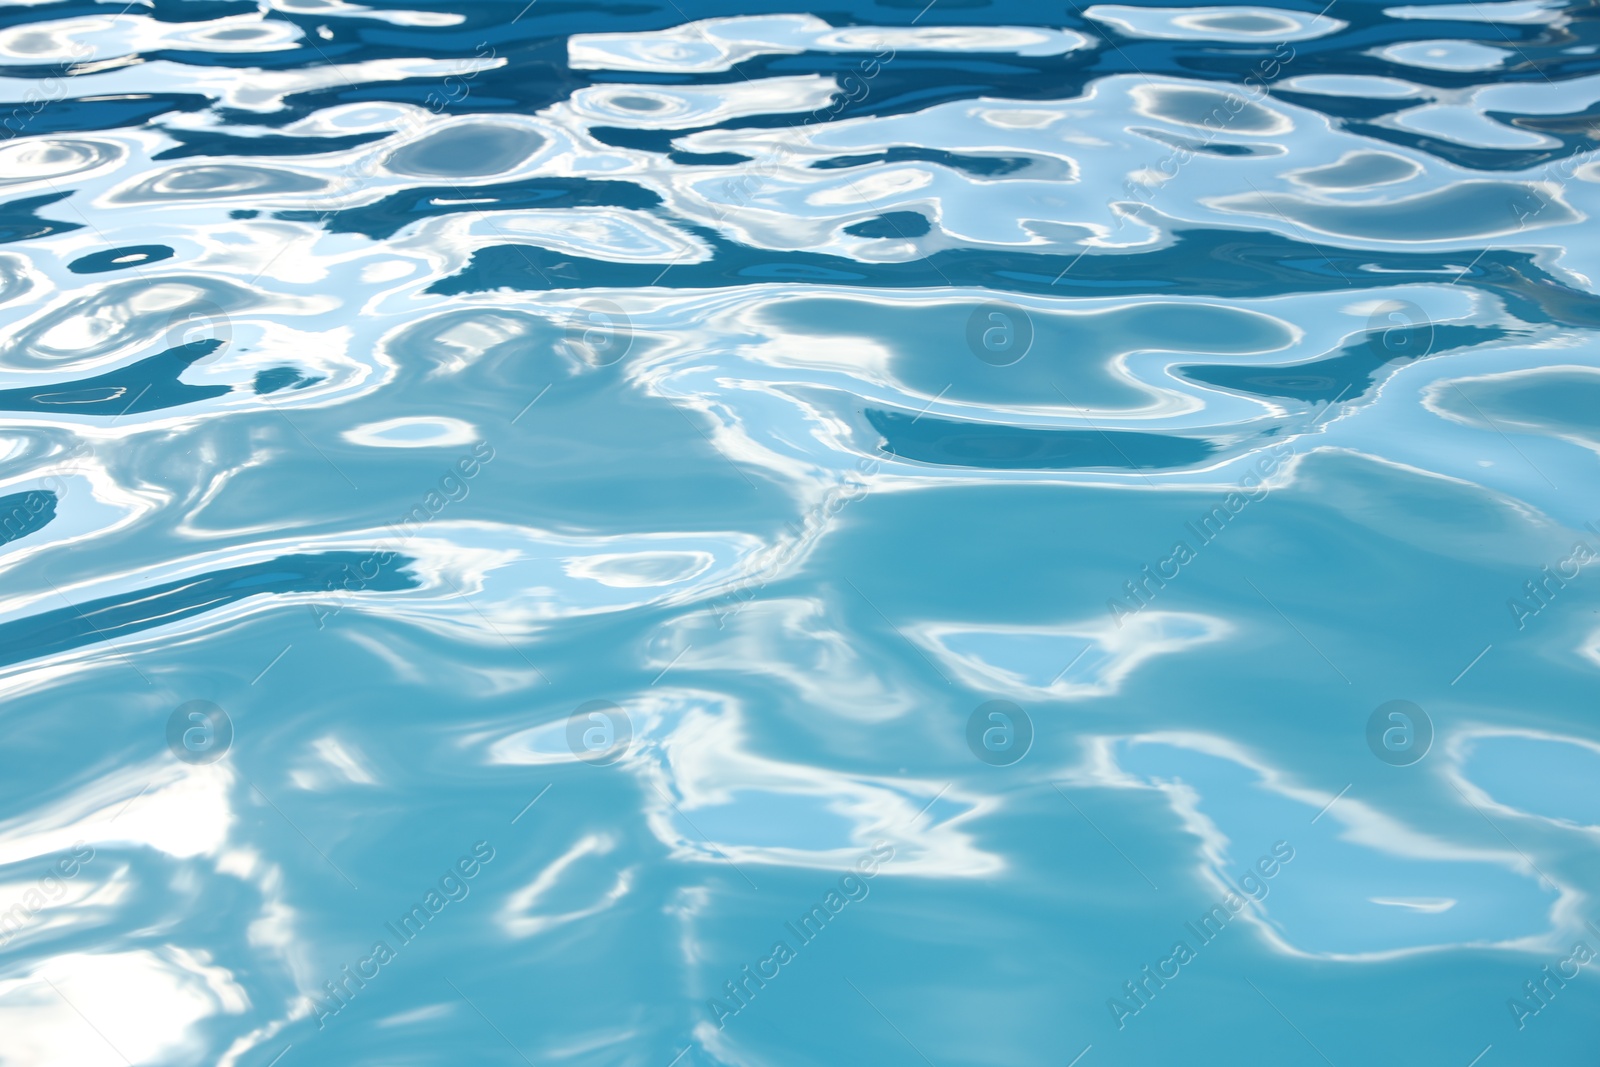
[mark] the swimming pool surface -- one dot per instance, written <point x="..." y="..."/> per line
<point x="667" y="533"/>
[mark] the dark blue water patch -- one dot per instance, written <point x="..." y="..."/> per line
<point x="109" y="618"/>
<point x="197" y="10"/>
<point x="100" y="113"/>
<point x="24" y="513"/>
<point x="1239" y="263"/>
<point x="211" y="143"/>
<point x="434" y="97"/>
<point x="119" y="259"/>
<point x="964" y="73"/>
<point x="19" y="223"/>
<point x="243" y="213"/>
<point x="979" y="166"/>
<point x="385" y="218"/>
<point x="707" y="159"/>
<point x="799" y="272"/>
<point x="965" y="6"/>
<point x="1348" y="375"/>
<point x="638" y="140"/>
<point x="276" y="378"/>
<point x="149" y="385"/>
<point x="958" y="443"/>
<point x="892" y="224"/>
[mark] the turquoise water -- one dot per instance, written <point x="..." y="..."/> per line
<point x="985" y="533"/>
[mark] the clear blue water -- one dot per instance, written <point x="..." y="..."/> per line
<point x="671" y="534"/>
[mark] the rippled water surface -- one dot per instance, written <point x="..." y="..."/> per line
<point x="954" y="533"/>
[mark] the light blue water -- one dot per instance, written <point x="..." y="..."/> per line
<point x="671" y="534"/>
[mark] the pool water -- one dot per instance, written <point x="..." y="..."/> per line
<point x="956" y="533"/>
